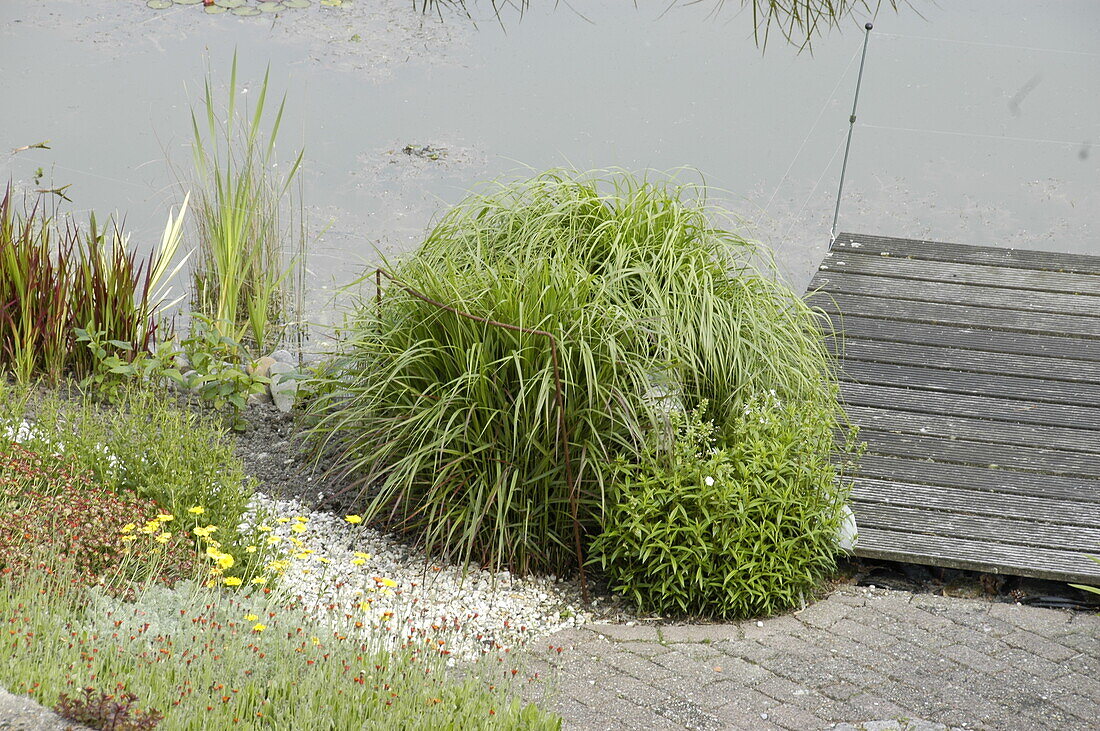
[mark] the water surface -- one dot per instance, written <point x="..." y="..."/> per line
<point x="976" y="124"/>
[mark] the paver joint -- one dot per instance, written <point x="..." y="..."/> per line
<point x="859" y="660"/>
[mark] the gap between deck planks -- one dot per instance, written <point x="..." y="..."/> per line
<point x="974" y="373"/>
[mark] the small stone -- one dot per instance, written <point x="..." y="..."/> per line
<point x="263" y="397"/>
<point x="284" y="356"/>
<point x="283" y="390"/>
<point x="262" y="367"/>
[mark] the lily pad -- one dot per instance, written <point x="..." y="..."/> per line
<point x="297" y="3"/>
<point x="246" y="11"/>
<point x="229" y="4"/>
<point x="332" y="3"/>
<point x="214" y="10"/>
<point x="159" y="4"/>
<point x="187" y="2"/>
<point x="271" y="7"/>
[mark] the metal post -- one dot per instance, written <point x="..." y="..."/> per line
<point x="851" y="126"/>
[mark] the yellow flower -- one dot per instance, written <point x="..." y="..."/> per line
<point x="272" y="540"/>
<point x="164" y="537"/>
<point x="130" y="537"/>
<point x="282" y="520"/>
<point x="259" y="580"/>
<point x="204" y="532"/>
<point x="303" y="554"/>
<point x="250" y="549"/>
<point x="389" y="582"/>
<point x="354" y="519"/>
<point x="298" y="528"/>
<point x="224" y="560"/>
<point x="165" y="517"/>
<point x="232" y="581"/>
<point x="315" y="640"/>
<point x="322" y="559"/>
<point x="302" y="519"/>
<point x="197" y="510"/>
<point x="128" y="527"/>
<point x="250" y="617"/>
<point x="150" y="527"/>
<point x="259" y="627"/>
<point x="264" y="528"/>
<point x="364" y="556"/>
<point x="358" y="561"/>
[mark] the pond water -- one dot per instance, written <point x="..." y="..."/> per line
<point x="977" y="124"/>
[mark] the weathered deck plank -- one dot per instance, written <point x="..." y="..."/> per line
<point x="974" y="374"/>
<point x="1050" y="370"/>
<point x="961" y="381"/>
<point x="978" y="339"/>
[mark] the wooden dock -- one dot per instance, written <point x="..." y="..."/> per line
<point x="974" y="375"/>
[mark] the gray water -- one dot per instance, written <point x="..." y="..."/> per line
<point x="977" y="124"/>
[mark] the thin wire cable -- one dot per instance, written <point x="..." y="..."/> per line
<point x="988" y="45"/>
<point x="828" y="99"/>
<point x="976" y="135"/>
<point x="813" y="190"/>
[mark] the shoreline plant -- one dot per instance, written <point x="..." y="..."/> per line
<point x="451" y="424"/>
<point x="241" y="208"/>
<point x="56" y="278"/>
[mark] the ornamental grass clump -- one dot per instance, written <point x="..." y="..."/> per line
<point x="444" y="404"/>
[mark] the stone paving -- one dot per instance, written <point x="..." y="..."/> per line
<point x="862" y="658"/>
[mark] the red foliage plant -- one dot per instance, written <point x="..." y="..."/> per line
<point x="107" y="712"/>
<point x="56" y="519"/>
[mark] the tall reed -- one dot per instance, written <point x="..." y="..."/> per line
<point x="241" y="209"/>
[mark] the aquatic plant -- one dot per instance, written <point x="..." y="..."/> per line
<point x="543" y="330"/>
<point x="799" y="21"/>
<point x="241" y="207"/>
<point x="56" y="277"/>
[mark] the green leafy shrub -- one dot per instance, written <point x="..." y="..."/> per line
<point x="731" y="530"/>
<point x="217" y="372"/>
<point x="219" y="362"/>
<point x="53" y="512"/>
<point x="451" y="423"/>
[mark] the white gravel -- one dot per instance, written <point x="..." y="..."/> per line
<point x="474" y="613"/>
